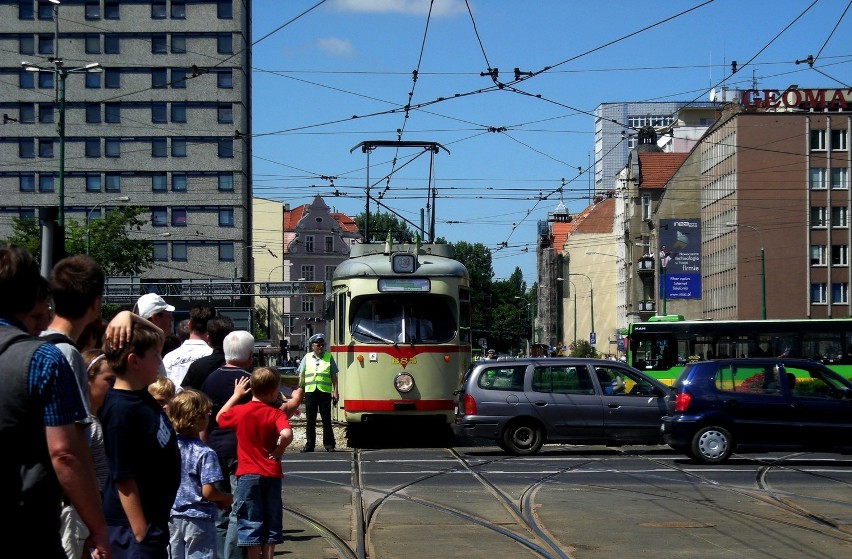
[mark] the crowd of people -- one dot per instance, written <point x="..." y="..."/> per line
<point x="130" y="440"/>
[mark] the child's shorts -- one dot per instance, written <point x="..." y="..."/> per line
<point x="259" y="508"/>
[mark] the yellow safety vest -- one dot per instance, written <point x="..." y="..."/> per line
<point x="317" y="373"/>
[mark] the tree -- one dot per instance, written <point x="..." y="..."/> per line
<point x="583" y="349"/>
<point x="109" y="240"/>
<point x="477" y="259"/>
<point x="381" y="223"/>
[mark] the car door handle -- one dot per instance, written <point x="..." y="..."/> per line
<point x="613" y="406"/>
<point x="540" y="403"/>
<point x="730" y="403"/>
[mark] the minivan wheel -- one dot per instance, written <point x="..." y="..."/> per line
<point x="522" y="438"/>
<point x="711" y="445"/>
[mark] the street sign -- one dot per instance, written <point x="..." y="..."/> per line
<point x="593" y="339"/>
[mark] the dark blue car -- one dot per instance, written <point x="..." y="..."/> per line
<point x="719" y="405"/>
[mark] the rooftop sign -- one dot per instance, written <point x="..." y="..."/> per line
<point x="793" y="99"/>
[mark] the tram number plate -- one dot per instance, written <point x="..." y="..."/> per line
<point x="403" y="406"/>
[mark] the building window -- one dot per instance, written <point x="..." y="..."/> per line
<point x="178" y="9"/>
<point x="178" y="147"/>
<point x="45" y="113"/>
<point x="307" y="304"/>
<point x="225" y="79"/>
<point x="26" y="148"/>
<point x="159" y="182"/>
<point x="26" y="183"/>
<point x="25" y="10"/>
<point x="111" y="9"/>
<point x="226" y="113"/>
<point x="817" y="178"/>
<point x="818" y="217"/>
<point x="179" y="182"/>
<point x="93" y="147"/>
<point x="45" y="147"/>
<point x="838" y="140"/>
<point x="226" y="252"/>
<point x="159" y="217"/>
<point x="817" y="255"/>
<point x="93" y="44"/>
<point x="159" y="147"/>
<point x="26" y="213"/>
<point x="179" y="252"/>
<point x="112" y="78"/>
<point x="646" y="208"/>
<point x="818" y="293"/>
<point x="26" y="44"/>
<point x="839" y="255"/>
<point x="45" y="44"/>
<point x="112" y="44"/>
<point x="112" y="113"/>
<point x="179" y="78"/>
<point x="112" y="147"/>
<point x="45" y="183"/>
<point x="93" y="183"/>
<point x="226" y="147"/>
<point x="224" y="9"/>
<point x="93" y="113"/>
<point x="817" y="139"/>
<point x="45" y="79"/>
<point x="329" y="244"/>
<point x="839" y="293"/>
<point x="839" y="216"/>
<point x="93" y="80"/>
<point x="309" y="243"/>
<point x="226" y="182"/>
<point x="26" y="80"/>
<point x="307" y="272"/>
<point x="158" y="9"/>
<point x="178" y="44"/>
<point x="226" y="217"/>
<point x="178" y="217"/>
<point x="45" y="11"/>
<point x="159" y="78"/>
<point x="840" y="178"/>
<point x="93" y="9"/>
<point x="112" y="182"/>
<point x="161" y="251"/>
<point x="225" y="43"/>
<point x="26" y="113"/>
<point x="159" y="112"/>
<point x="178" y="112"/>
<point x="159" y="44"/>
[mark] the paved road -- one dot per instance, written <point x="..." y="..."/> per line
<point x="566" y="502"/>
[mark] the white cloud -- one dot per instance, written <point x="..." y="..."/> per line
<point x="336" y="47"/>
<point x="418" y="7"/>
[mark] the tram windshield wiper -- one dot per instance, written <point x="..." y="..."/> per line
<point x="360" y="329"/>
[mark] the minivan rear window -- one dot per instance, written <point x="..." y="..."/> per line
<point x="502" y="378"/>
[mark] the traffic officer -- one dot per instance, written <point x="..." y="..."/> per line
<point x="318" y="378"/>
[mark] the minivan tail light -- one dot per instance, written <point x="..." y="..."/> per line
<point x="681" y="401"/>
<point x="469" y="405"/>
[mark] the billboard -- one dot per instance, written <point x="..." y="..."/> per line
<point x="680" y="258"/>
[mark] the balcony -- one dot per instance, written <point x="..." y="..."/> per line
<point x="648" y="306"/>
<point x="645" y="266"/>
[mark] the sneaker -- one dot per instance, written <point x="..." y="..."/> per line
<point x="307" y="449"/>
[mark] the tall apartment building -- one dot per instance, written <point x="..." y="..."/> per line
<point x="166" y="124"/>
<point x="616" y="127"/>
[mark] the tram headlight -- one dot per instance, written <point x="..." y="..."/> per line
<point x="403" y="382"/>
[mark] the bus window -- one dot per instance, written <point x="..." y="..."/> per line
<point x="824" y="347"/>
<point x="412" y="319"/>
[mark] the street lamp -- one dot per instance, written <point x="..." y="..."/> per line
<point x="591" y="305"/>
<point x="61" y="72"/>
<point x="89" y="216"/>
<point x="762" y="265"/>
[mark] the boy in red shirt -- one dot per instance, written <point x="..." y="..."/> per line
<point x="263" y="433"/>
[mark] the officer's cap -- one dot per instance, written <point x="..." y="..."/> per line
<point x="317" y="338"/>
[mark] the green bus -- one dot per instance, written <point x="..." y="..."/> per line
<point x="664" y="344"/>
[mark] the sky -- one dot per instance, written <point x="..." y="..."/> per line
<point x="329" y="75"/>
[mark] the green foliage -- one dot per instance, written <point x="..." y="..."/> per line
<point x="583" y="349"/>
<point x="260" y="328"/>
<point x="381" y="223"/>
<point x="110" y="240"/>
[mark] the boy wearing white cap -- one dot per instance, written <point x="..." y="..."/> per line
<point x="154" y="308"/>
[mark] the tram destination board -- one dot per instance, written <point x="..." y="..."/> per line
<point x="281" y="288"/>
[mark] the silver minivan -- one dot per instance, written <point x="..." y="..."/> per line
<point x="523" y="403"/>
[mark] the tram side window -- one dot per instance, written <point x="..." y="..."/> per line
<point x="340" y="318"/>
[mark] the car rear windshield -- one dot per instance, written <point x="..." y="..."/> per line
<point x="502" y="378"/>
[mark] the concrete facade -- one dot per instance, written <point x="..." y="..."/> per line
<point x="167" y="124"/>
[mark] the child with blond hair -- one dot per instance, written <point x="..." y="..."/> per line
<point x="263" y="433"/>
<point x="163" y="390"/>
<point x="192" y="524"/>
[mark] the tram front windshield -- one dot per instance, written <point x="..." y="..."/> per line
<point x="407" y="319"/>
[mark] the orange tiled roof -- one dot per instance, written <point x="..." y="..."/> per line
<point x="655" y="169"/>
<point x="595" y="218"/>
<point x="292" y="218"/>
<point x="347" y="224"/>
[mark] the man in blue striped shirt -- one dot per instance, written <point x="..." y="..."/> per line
<point x="45" y="454"/>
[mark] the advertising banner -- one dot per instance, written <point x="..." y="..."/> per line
<point x="680" y="258"/>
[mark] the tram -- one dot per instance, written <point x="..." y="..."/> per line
<point x="399" y="330"/>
